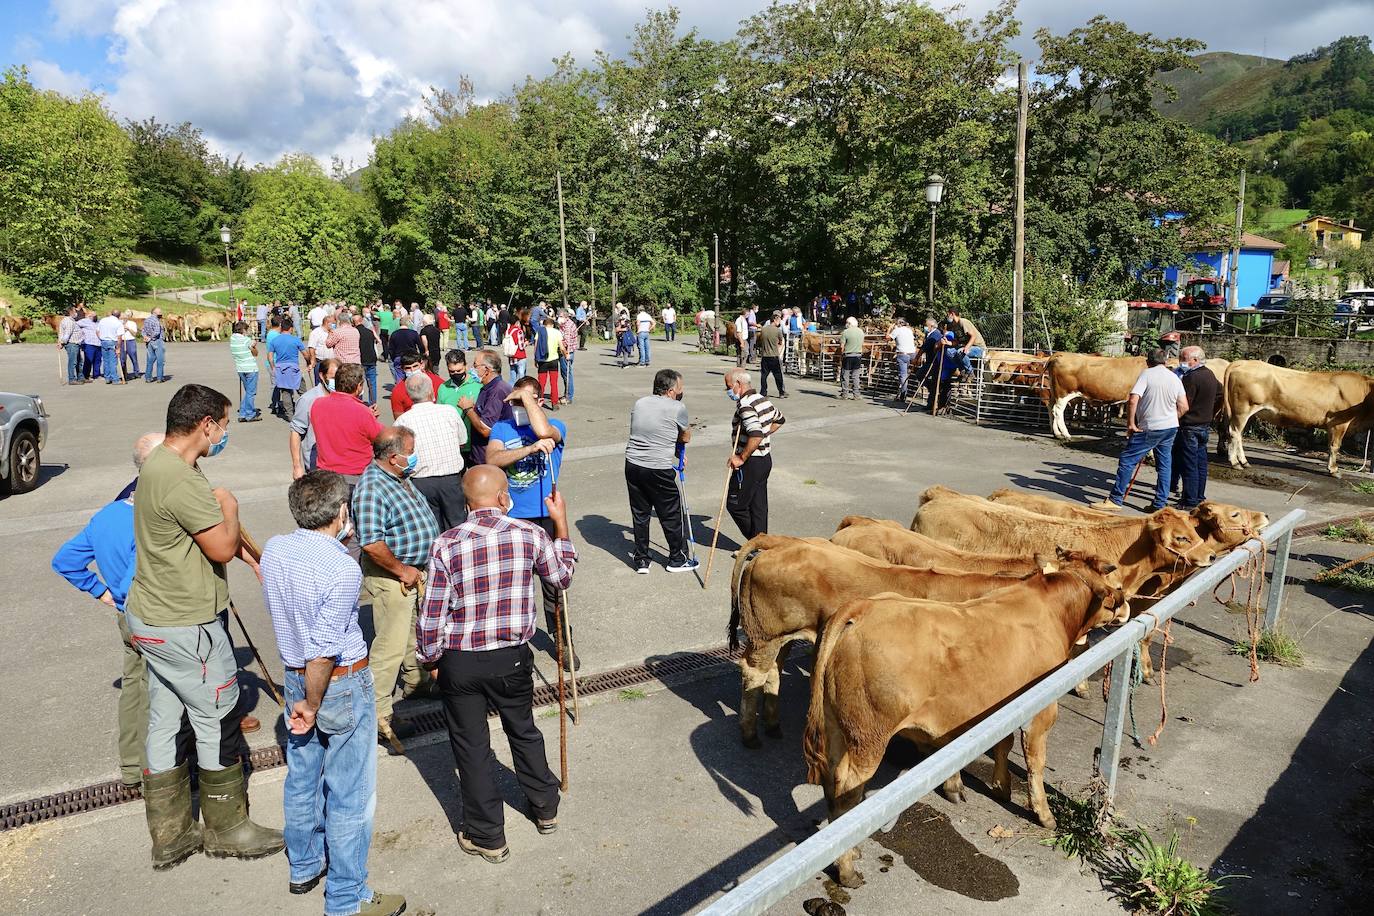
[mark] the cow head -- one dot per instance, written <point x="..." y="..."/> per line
<point x="1176" y="542"/>
<point x="1102" y="578"/>
<point x="1227" y="526"/>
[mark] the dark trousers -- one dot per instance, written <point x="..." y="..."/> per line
<point x="748" y="496"/>
<point x="502" y="679"/>
<point x="654" y="491"/>
<point x="445" y="497"/>
<point x="1190" y="463"/>
<point x="770" y="365"/>
<point x="92" y="365"/>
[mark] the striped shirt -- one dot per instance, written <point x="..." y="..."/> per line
<point x="152" y="328"/>
<point x="310" y="586"/>
<point x="756" y="414"/>
<point x="480" y="592"/>
<point x="391" y="510"/>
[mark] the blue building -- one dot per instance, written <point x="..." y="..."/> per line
<point x="1254" y="275"/>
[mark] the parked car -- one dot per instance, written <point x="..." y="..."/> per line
<point x="23" y="433"/>
<point x="1273" y="302"/>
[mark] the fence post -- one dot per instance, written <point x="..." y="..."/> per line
<point x="1114" y="721"/>
<point x="978" y="404"/>
<point x="1277" y="578"/>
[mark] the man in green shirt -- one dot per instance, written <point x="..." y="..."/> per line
<point x="244" y="349"/>
<point x="852" y="343"/>
<point x="184" y="533"/>
<point x="460" y="384"/>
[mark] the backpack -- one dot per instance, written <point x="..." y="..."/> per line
<point x="508" y="346"/>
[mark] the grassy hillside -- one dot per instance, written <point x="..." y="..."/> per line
<point x="1224" y="83"/>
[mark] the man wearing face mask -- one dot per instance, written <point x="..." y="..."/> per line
<point x="755" y="421"/>
<point x="461" y="384"/>
<point x="310" y="587"/>
<point x="396" y="529"/>
<point x="411" y="366"/>
<point x="659" y="426"/>
<point x="185" y="533"/>
<point x="300" y="438"/>
<point x="489" y="407"/>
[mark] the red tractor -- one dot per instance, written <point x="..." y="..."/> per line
<point x="1202" y="293"/>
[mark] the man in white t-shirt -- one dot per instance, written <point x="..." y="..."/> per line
<point x="905" y="340"/>
<point x="318" y="344"/>
<point x="317" y="314"/>
<point x="669" y="322"/>
<point x="644" y="323"/>
<point x="1157" y="401"/>
<point x="742" y="337"/>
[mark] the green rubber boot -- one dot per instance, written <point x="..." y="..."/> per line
<point x="167" y="802"/>
<point x="228" y="831"/>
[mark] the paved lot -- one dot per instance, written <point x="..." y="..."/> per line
<point x="666" y="809"/>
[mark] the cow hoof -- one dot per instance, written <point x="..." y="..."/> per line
<point x="1081" y="691"/>
<point x="851" y="881"/>
<point x="773" y="731"/>
<point x="752" y="742"/>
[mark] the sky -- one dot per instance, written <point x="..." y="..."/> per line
<point x="267" y="77"/>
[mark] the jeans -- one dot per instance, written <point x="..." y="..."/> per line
<point x="331" y="790"/>
<point x="91" y="353"/>
<point x="130" y="356"/>
<point x="517" y="369"/>
<point x="966" y="359"/>
<point x="644" y="348"/>
<point x="250" y="391"/>
<point x="73" y="360"/>
<point x="670" y="331"/>
<point x="1190" y="463"/>
<point x="903" y="370"/>
<point x="565" y="368"/>
<point x="156" y="365"/>
<point x="262" y="329"/>
<point x="109" y="364"/>
<point x="462" y="330"/>
<point x="1159" y="441"/>
<point x="370" y="374"/>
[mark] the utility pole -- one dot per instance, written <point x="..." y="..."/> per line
<point x="1231" y="292"/>
<point x="1018" y="277"/>
<point x="562" y="236"/>
<point x="715" y="239"/>
<point x="591" y="263"/>
<point x="615" y="287"/>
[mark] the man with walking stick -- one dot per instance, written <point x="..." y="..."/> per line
<point x="659" y="427"/>
<point x="474" y="629"/>
<point x="754" y="423"/>
<point x="1157" y="401"/>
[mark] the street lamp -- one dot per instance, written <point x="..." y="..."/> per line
<point x="591" y="264"/>
<point x="935" y="191"/>
<point x="226" y="236"/>
<point x="715" y="240"/>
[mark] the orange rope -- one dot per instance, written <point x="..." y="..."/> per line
<point x="1163" y="674"/>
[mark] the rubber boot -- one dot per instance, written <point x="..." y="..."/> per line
<point x="228" y="831"/>
<point x="167" y="802"/>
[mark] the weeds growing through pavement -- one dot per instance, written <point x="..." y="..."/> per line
<point x="1359" y="578"/>
<point x="1275" y="647"/>
<point x="1357" y="532"/>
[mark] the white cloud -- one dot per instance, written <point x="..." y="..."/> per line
<point x="85" y="16"/>
<point x="47" y="75"/>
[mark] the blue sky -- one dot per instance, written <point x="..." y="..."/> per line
<point x="266" y="77"/>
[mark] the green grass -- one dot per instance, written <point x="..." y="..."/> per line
<point x="632" y="693"/>
<point x="221" y="297"/>
<point x="1282" y="219"/>
<point x="1357" y="532"/>
<point x="810" y="481"/>
<point x="146" y="275"/>
<point x="1275" y="647"/>
<point x="1359" y="578"/>
<point x="1364" y="486"/>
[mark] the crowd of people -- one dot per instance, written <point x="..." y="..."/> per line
<point x="106" y="348"/>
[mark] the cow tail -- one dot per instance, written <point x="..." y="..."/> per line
<point x="814" y="739"/>
<point x="738" y="587"/>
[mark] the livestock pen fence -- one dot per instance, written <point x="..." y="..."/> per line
<point x="795" y="867"/>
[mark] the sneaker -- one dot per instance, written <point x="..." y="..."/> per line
<point x="685" y="566"/>
<point x="305" y="887"/>
<point x="494" y="856"/>
<point x="1107" y="506"/>
<point x="642" y="567"/>
<point x="546" y="825"/>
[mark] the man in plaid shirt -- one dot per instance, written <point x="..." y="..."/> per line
<point x="474" y="628"/>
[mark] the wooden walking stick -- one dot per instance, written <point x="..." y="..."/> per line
<point x="720" y="513"/>
<point x="935" y="399"/>
<point x="565" y="624"/>
<point x="256" y="553"/>
<point x="562" y="708"/>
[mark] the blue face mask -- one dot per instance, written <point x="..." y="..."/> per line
<point x="411" y="463"/>
<point x="329" y="383"/>
<point x="729" y="393"/>
<point x="218" y="447"/>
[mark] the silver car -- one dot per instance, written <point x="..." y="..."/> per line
<point x="23" y="433"/>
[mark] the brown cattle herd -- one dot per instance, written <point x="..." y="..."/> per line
<point x="922" y="631"/>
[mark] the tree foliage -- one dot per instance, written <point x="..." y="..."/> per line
<point x="309" y="237"/>
<point x="66" y="203"/>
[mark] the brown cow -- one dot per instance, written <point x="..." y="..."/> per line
<point x="927" y="670"/>
<point x="1225" y="526"/>
<point x="172" y="327"/>
<point x="784" y="587"/>
<point x="15" y="327"/>
<point x="892" y="542"/>
<point x="195" y="322"/>
<point x="1334" y="401"/>
<point x="1097" y="378"/>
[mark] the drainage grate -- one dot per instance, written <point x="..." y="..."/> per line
<point x="108" y="794"/>
<point x="1313" y="528"/>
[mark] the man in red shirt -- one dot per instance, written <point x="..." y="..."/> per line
<point x="411" y="364"/>
<point x="344" y="426"/>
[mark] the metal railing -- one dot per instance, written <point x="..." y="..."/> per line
<point x="795" y="867"/>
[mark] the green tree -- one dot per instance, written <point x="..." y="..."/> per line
<point x="67" y="207"/>
<point x="310" y="237"/>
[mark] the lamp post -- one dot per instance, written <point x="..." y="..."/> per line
<point x="226" y="237"/>
<point x="715" y="240"/>
<point x="935" y="191"/>
<point x="591" y="264"/>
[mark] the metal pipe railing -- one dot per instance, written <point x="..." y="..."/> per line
<point x="783" y="875"/>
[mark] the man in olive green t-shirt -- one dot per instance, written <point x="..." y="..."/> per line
<point x="852" y="342"/>
<point x="184" y="533"/>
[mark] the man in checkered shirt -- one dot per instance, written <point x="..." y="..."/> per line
<point x="474" y="628"/>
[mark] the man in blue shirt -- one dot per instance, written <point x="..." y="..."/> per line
<point x="310" y="586"/>
<point x="108" y="541"/>
<point x="284" y="352"/>
<point x="529" y="449"/>
<point x="581" y="317"/>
